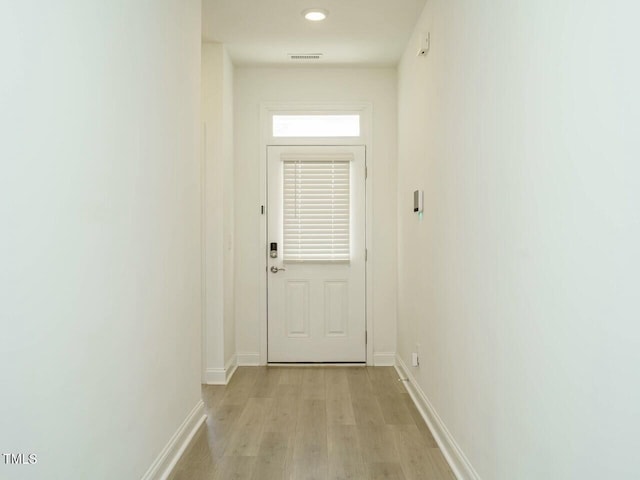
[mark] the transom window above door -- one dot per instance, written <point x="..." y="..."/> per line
<point x="314" y="126"/>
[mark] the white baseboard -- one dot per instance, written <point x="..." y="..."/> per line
<point x="457" y="460"/>
<point x="215" y="376"/>
<point x="221" y="376"/>
<point x="384" y="359"/>
<point x="161" y="468"/>
<point x="231" y="367"/>
<point x="248" y="359"/>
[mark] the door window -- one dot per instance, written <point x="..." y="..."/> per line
<point x="316" y="209"/>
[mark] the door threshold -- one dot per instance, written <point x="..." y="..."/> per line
<point x="316" y="364"/>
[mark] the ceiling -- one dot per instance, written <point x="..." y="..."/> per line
<point x="356" y="32"/>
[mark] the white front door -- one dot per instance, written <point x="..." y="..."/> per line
<point x="316" y="254"/>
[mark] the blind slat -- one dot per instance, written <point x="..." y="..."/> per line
<point x="316" y="209"/>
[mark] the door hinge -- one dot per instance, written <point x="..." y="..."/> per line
<point x="366" y="172"/>
<point x="262" y="209"/>
<point x="366" y="338"/>
<point x="366" y="254"/>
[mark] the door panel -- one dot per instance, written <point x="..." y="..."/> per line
<point x="316" y="285"/>
<point x="297" y="308"/>
<point x="336" y="308"/>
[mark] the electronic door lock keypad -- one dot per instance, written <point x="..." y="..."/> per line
<point x="273" y="250"/>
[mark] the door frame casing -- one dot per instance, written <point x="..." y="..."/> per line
<point x="365" y="110"/>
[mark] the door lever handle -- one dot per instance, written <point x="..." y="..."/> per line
<point x="275" y="269"/>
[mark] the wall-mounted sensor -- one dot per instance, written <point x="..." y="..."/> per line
<point x="418" y="201"/>
<point x="424" y="43"/>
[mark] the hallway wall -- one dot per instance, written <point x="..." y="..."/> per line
<point x="219" y="340"/>
<point x="100" y="234"/>
<point x="256" y="85"/>
<point x="520" y="284"/>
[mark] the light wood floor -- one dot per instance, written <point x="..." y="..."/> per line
<point x="299" y="423"/>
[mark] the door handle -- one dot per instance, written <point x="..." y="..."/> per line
<point x="275" y="269"/>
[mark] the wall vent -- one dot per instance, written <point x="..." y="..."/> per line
<point x="305" y="56"/>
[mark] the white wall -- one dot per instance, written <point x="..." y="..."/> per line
<point x="521" y="282"/>
<point x="229" y="221"/>
<point x="217" y="117"/>
<point x="256" y="85"/>
<point x="100" y="242"/>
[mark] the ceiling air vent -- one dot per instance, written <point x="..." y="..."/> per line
<point x="305" y="56"/>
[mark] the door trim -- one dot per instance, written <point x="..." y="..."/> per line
<point x="267" y="109"/>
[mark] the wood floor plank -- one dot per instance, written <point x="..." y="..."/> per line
<point x="379" y="381"/>
<point x="359" y="383"/>
<point x="246" y="437"/>
<point x="393" y="379"/>
<point x="366" y="411"/>
<point x="386" y="381"/>
<point x="266" y="468"/>
<point x="310" y="456"/>
<point x="291" y="375"/>
<point x="272" y="456"/>
<point x="266" y="383"/>
<point x="345" y="458"/>
<point x="194" y="471"/>
<point x="394" y="411"/>
<point x="288" y="390"/>
<point x="338" y="398"/>
<point x="340" y="410"/>
<point x="275" y="445"/>
<point x="312" y="415"/>
<point x="336" y="379"/>
<point x="377" y="444"/>
<point x="221" y="424"/>
<point x="310" y="467"/>
<point x="239" y="389"/>
<point x="235" y="468"/>
<point x="414" y="454"/>
<point x="313" y="385"/>
<point x="385" y="471"/>
<point x="212" y="395"/>
<point x="283" y="416"/>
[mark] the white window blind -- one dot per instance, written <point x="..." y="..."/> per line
<point x="316" y="209"/>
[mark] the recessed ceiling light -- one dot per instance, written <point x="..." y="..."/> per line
<point x="315" y="14"/>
